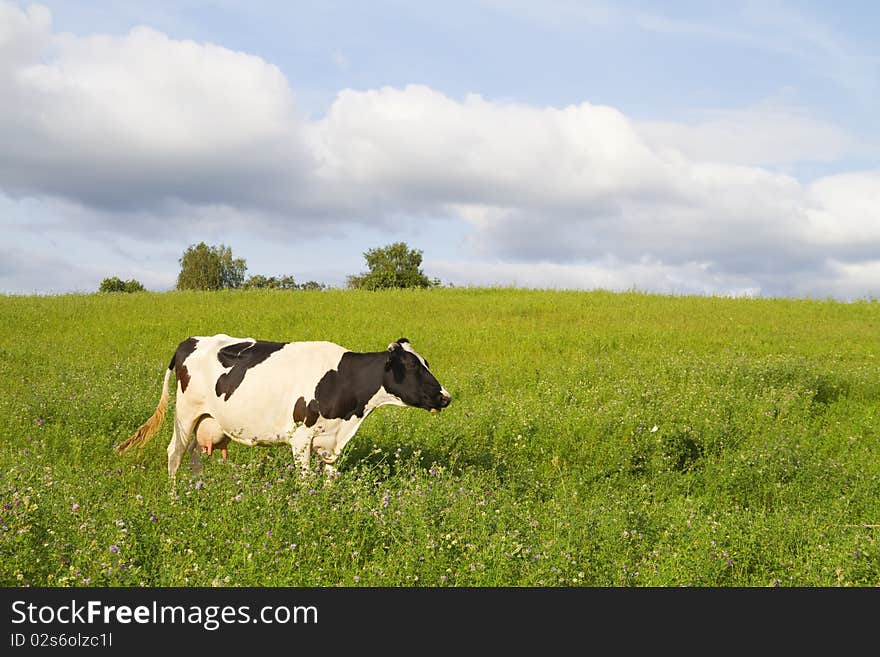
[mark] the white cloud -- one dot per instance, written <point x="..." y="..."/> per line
<point x="845" y="210"/>
<point x="606" y="274"/>
<point x="767" y="134"/>
<point x="419" y="145"/>
<point x="136" y="120"/>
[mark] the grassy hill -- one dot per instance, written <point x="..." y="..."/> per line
<point x="594" y="439"/>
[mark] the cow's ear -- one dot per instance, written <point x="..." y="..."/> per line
<point x="392" y="348"/>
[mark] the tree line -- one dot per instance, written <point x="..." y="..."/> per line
<point x="213" y="267"/>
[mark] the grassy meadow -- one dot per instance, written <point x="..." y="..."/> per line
<point x="594" y="439"/>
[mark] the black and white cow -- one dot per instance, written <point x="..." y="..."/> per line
<point x="312" y="396"/>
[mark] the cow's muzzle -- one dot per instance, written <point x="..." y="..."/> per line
<point x="442" y="402"/>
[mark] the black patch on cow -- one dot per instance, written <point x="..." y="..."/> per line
<point x="241" y="356"/>
<point x="184" y="349"/>
<point x="305" y="413"/>
<point x="345" y="391"/>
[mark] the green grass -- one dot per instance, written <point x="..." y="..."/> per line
<point x="594" y="439"/>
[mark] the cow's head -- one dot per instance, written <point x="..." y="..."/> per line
<point x="408" y="378"/>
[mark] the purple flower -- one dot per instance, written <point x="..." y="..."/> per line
<point x="153" y="517"/>
<point x="199" y="484"/>
<point x="114" y="549"/>
<point x="40" y="421"/>
<point x="385" y="500"/>
<point x="74" y="507"/>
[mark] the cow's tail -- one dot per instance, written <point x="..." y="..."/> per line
<point x="140" y="437"/>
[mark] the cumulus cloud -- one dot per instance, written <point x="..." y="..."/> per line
<point x="133" y="121"/>
<point x="583" y="184"/>
<point x="140" y="129"/>
<point x="417" y="144"/>
<point x="770" y="133"/>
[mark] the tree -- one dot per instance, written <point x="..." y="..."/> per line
<point x="116" y="284"/>
<point x="395" y="265"/>
<point x="204" y="267"/>
<point x="258" y="281"/>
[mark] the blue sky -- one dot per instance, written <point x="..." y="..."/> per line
<point x="691" y="147"/>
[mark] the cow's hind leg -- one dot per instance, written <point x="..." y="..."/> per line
<point x="182" y="441"/>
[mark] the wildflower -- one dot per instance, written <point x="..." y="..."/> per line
<point x="385" y="500"/>
<point x="357" y="579"/>
<point x="40" y="421"/>
<point x="74" y="507"/>
<point x="153" y="517"/>
<point x="114" y="549"/>
<point x="199" y="484"/>
<point x="654" y="429"/>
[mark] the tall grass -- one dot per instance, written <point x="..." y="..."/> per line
<point x="594" y="439"/>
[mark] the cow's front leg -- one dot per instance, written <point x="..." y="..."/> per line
<point x="301" y="446"/>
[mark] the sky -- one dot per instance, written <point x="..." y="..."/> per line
<point x="709" y="148"/>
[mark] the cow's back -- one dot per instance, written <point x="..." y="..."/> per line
<point x="249" y="386"/>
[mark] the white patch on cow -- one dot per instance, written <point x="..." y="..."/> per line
<point x="382" y="397"/>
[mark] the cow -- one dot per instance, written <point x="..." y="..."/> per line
<point x="311" y="395"/>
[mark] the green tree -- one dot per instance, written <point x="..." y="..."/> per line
<point x="260" y="282"/>
<point x="204" y="267"/>
<point x="112" y="284"/>
<point x="395" y="265"/>
<point x="116" y="284"/>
